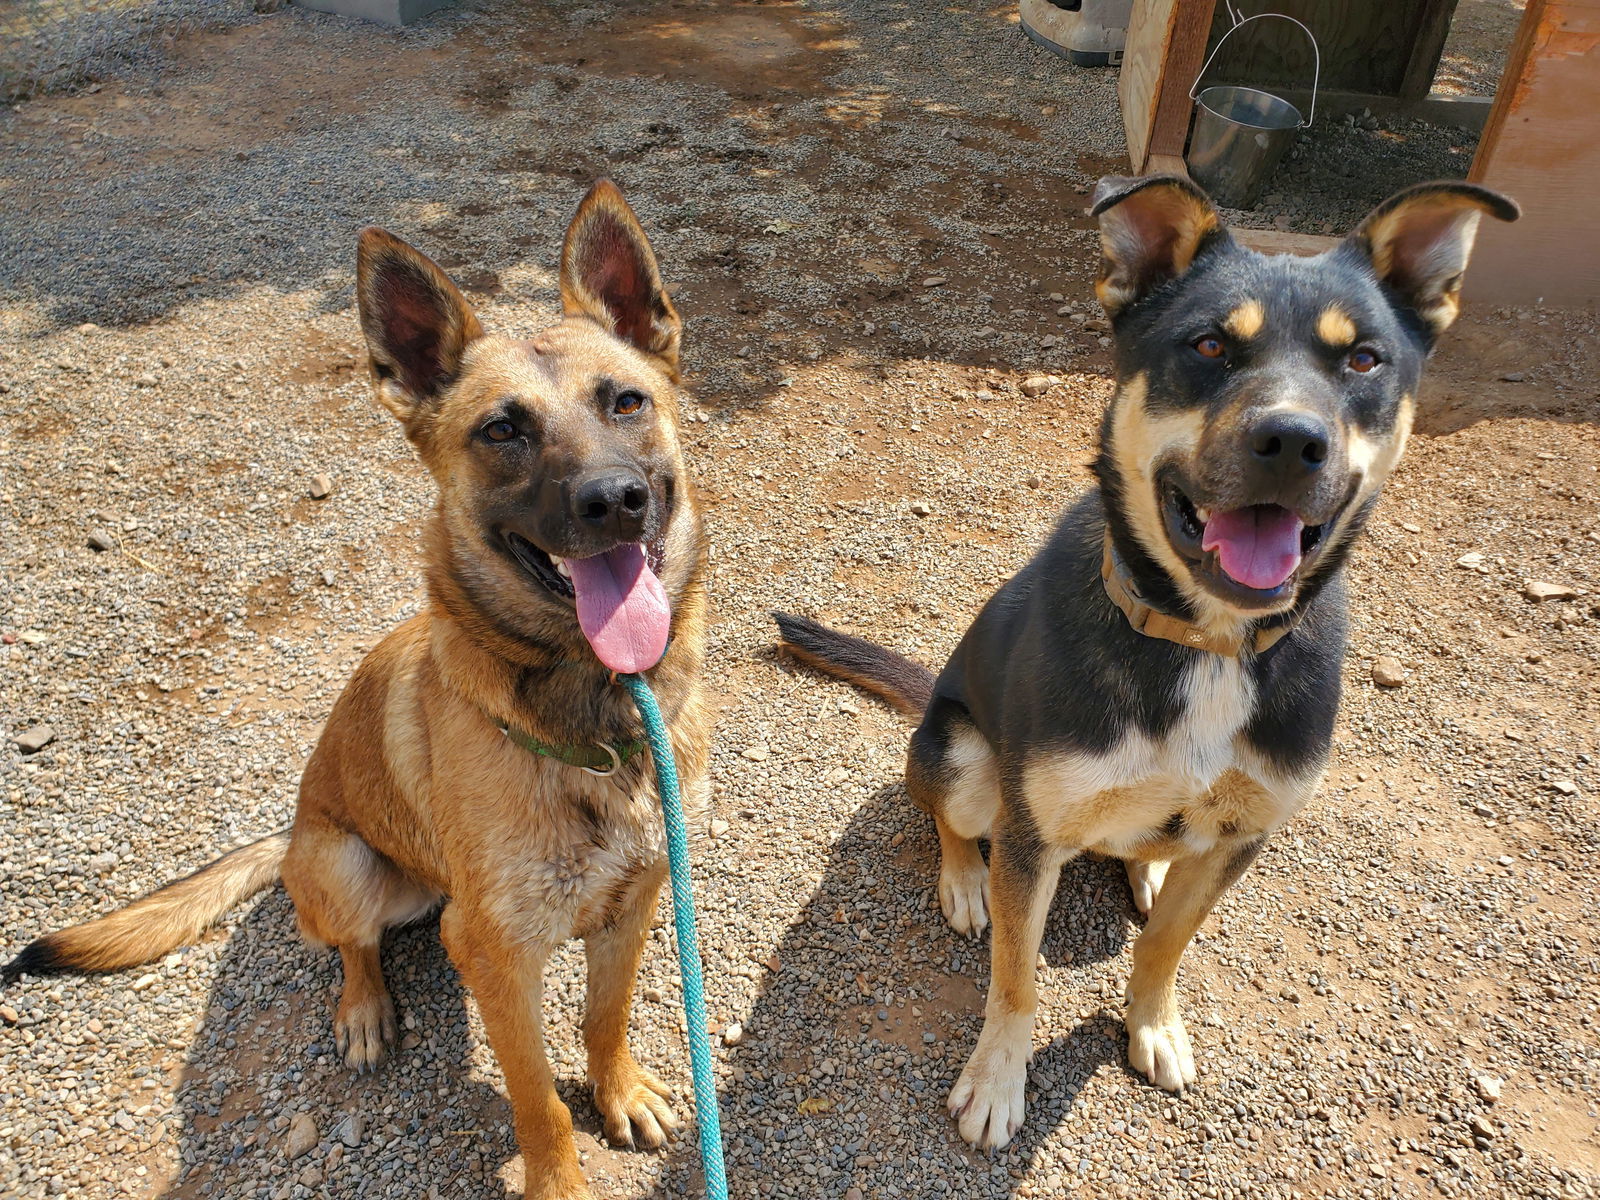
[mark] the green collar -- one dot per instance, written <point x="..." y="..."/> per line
<point x="597" y="758"/>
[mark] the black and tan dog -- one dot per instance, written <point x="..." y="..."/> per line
<point x="483" y="755"/>
<point x="1159" y="683"/>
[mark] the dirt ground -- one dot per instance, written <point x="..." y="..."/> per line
<point x="872" y="218"/>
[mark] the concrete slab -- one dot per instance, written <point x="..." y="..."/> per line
<point x="385" y="12"/>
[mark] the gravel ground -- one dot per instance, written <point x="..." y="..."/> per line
<point x="1398" y="1001"/>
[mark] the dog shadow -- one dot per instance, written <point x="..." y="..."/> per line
<point x="262" y="1063"/>
<point x="870" y="963"/>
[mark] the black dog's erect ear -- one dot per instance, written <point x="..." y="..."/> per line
<point x="417" y="323"/>
<point x="1419" y="240"/>
<point x="609" y="273"/>
<point x="1151" y="228"/>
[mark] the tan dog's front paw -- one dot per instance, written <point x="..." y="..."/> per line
<point x="633" y="1105"/>
<point x="987" y="1101"/>
<point x="364" y="1032"/>
<point x="964" y="898"/>
<point x="1160" y="1050"/>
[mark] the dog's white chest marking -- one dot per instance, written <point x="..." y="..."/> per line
<point x="1196" y="781"/>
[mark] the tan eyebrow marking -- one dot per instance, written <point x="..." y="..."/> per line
<point x="1335" y="327"/>
<point x="1246" y="320"/>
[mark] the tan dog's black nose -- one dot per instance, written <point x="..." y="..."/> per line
<point x="615" y="501"/>
<point x="1288" y="446"/>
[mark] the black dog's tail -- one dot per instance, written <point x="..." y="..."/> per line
<point x="905" y="684"/>
<point x="159" y="923"/>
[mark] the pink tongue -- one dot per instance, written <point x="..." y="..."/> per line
<point x="1258" y="546"/>
<point x="622" y="608"/>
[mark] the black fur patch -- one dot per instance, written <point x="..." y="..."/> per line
<point x="38" y="957"/>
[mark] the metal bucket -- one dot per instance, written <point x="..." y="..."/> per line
<point x="1241" y="133"/>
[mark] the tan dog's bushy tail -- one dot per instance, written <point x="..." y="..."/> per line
<point x="161" y="922"/>
<point x="905" y="684"/>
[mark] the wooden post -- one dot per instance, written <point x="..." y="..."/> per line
<point x="1166" y="45"/>
<point x="1541" y="146"/>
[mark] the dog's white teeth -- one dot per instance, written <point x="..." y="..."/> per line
<point x="561" y="567"/>
<point x="1204" y="514"/>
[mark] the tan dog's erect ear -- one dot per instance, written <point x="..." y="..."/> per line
<point x="417" y="323"/>
<point x="609" y="273"/>
<point x="1151" y="229"/>
<point x="1419" y="241"/>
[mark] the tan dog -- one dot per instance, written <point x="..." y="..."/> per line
<point x="565" y="545"/>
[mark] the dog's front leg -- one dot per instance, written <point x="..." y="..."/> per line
<point x="1158" y="1044"/>
<point x="632" y="1101"/>
<point x="987" y="1101"/>
<point x="507" y="980"/>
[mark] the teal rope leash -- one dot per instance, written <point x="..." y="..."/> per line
<point x="694" y="998"/>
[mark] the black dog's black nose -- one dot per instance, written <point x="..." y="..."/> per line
<point x="1289" y="444"/>
<point x="614" y="501"/>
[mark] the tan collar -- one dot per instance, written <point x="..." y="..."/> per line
<point x="1156" y="624"/>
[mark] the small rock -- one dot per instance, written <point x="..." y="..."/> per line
<point x="1470" y="561"/>
<point x="1483" y="810"/>
<point x="9" y="1015"/>
<point x="1513" y="376"/>
<point x="1488" y="1087"/>
<point x="302" y="1135"/>
<point x="733" y="1034"/>
<point x="1480" y="1127"/>
<point x="329" y="579"/>
<point x="1387" y="671"/>
<point x="934" y="281"/>
<point x="88" y="327"/>
<point x="1034" y="481"/>
<point x="1035" y="385"/>
<point x="321" y="487"/>
<point x="652" y="994"/>
<point x="34" y="739"/>
<point x="34" y="637"/>
<point x="103" y="864"/>
<point x="101" y="540"/>
<point x="719" y="827"/>
<point x="146" y="380"/>
<point x="921" y="508"/>
<point x="1565" y="786"/>
<point x="351" y="1131"/>
<point x="757" y="753"/>
<point x="1410" y="528"/>
<point x="853" y="1194"/>
<point x="1538" y="591"/>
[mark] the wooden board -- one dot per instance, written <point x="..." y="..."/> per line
<point x="1166" y="44"/>
<point x="1383" y="47"/>
<point x="1542" y="146"/>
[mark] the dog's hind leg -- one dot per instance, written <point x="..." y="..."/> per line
<point x="951" y="774"/>
<point x="1145" y="880"/>
<point x="987" y="1101"/>
<point x="345" y="895"/>
<point x="1158" y="1043"/>
<point x="632" y="1101"/>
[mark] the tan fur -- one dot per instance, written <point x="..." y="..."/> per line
<point x="1246" y="321"/>
<point x="413" y="794"/>
<point x="1335" y="328"/>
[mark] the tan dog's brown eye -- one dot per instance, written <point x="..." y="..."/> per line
<point x="499" y="431"/>
<point x="1363" y="361"/>
<point x="628" y="403"/>
<point x="1210" y="346"/>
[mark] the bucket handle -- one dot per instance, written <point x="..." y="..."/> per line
<point x="1238" y="24"/>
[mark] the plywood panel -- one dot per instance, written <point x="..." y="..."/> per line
<point x="1542" y="146"/>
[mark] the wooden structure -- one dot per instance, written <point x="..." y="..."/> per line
<point x="1541" y="137"/>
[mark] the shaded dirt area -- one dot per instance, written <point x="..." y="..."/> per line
<point x="871" y="216"/>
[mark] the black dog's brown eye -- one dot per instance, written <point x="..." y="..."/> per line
<point x="1210" y="347"/>
<point x="499" y="431"/>
<point x="1363" y="361"/>
<point x="628" y="403"/>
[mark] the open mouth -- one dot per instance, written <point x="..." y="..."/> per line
<point x="622" y="608"/>
<point x="1255" y="551"/>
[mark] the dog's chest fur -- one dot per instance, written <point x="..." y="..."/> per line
<point x="1170" y="792"/>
